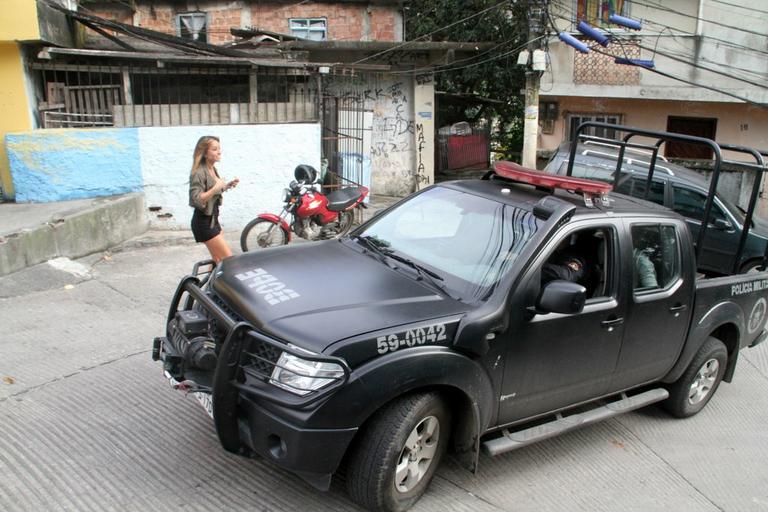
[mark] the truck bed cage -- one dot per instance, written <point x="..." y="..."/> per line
<point x="662" y="137"/>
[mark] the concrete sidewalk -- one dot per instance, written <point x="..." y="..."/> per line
<point x="32" y="233"/>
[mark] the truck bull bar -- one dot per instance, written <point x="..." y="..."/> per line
<point x="245" y="364"/>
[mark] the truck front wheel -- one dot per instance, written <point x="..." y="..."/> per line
<point x="398" y="451"/>
<point x="698" y="384"/>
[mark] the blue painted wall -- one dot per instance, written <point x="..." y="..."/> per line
<point x="59" y="165"/>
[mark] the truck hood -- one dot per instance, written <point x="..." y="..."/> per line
<point x="315" y="294"/>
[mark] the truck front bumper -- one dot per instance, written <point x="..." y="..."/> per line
<point x="240" y="387"/>
<point x="312" y="454"/>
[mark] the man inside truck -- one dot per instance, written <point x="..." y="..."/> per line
<point x="566" y="263"/>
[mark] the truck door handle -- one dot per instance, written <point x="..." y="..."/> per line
<point x="676" y="310"/>
<point x="610" y="325"/>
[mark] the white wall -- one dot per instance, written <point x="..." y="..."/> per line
<point x="262" y="156"/>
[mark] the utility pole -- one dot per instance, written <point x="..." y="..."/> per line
<point x="535" y="10"/>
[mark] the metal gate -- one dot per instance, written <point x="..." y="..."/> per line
<point x="345" y="134"/>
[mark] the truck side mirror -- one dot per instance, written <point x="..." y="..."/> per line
<point x="560" y="296"/>
<point x="722" y="225"/>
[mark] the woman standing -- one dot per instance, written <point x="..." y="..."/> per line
<point x="205" y="189"/>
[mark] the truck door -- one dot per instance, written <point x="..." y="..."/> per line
<point x="555" y="360"/>
<point x="720" y="243"/>
<point x="660" y="305"/>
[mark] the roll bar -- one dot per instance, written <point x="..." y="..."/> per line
<point x="662" y="137"/>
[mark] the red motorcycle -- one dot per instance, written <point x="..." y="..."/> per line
<point x="314" y="216"/>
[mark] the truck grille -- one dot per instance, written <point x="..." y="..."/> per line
<point x="258" y="359"/>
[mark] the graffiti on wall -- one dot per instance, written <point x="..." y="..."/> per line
<point x="392" y="139"/>
<point x="420" y="177"/>
<point x="392" y="146"/>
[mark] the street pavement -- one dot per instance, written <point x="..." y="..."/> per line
<point x="87" y="421"/>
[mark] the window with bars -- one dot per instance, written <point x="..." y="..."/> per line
<point x="574" y="120"/>
<point x="193" y="25"/>
<point x="308" y="28"/>
<point x="597" y="12"/>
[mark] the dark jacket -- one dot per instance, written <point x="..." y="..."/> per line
<point x="570" y="267"/>
<point x="201" y="181"/>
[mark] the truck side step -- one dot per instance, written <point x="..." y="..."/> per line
<point x="513" y="440"/>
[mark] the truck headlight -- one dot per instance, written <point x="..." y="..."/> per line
<point x="301" y="376"/>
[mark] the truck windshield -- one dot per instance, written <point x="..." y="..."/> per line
<point x="468" y="241"/>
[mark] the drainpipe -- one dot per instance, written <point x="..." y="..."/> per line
<point x="699" y="19"/>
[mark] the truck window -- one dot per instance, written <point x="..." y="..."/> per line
<point x="583" y="257"/>
<point x="469" y="240"/>
<point x="655" y="257"/>
<point x="635" y="187"/>
<point x="690" y="203"/>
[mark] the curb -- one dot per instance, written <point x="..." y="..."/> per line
<point x="91" y="230"/>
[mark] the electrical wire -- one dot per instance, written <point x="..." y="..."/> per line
<point x="683" y="80"/>
<point x="729" y="4"/>
<point x="514" y="50"/>
<point x="675" y="36"/>
<point x="597" y="49"/>
<point x="706" y="20"/>
<point x="756" y="75"/>
<point x="693" y="64"/>
<point x="433" y="67"/>
<point x="682" y="32"/>
<point x="406" y="43"/>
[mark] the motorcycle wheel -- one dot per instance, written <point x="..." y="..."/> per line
<point x="261" y="233"/>
<point x="346" y="219"/>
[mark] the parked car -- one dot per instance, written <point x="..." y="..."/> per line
<point x="680" y="189"/>
<point x="432" y="328"/>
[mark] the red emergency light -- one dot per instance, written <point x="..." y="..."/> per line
<point x="516" y="172"/>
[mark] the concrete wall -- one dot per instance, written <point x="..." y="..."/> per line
<point x="19" y="21"/>
<point x="262" y="156"/>
<point x="13" y="105"/>
<point x="58" y="165"/>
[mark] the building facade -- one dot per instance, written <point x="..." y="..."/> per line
<point x="714" y="50"/>
<point x="121" y="110"/>
<point x="22" y="20"/>
<point x="210" y="21"/>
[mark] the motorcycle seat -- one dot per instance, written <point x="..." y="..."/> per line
<point x="343" y="198"/>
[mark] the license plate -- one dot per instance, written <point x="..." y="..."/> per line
<point x="206" y="401"/>
<point x="204" y="398"/>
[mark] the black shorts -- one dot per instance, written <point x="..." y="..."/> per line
<point x="201" y="225"/>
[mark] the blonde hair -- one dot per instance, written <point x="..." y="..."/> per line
<point x="201" y="148"/>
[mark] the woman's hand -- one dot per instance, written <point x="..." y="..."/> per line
<point x="233" y="183"/>
<point x="219" y="185"/>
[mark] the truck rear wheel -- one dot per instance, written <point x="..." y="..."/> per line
<point x="698" y="384"/>
<point x="398" y="452"/>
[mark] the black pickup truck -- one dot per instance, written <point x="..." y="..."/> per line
<point x="475" y="315"/>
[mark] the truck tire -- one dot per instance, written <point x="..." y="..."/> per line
<point x="397" y="453"/>
<point x="691" y="392"/>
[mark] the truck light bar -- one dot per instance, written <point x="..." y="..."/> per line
<point x="589" y="189"/>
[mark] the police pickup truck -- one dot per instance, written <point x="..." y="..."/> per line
<point x="439" y="326"/>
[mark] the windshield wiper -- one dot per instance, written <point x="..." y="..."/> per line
<point x="420" y="270"/>
<point x="374" y="244"/>
<point x="382" y="250"/>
